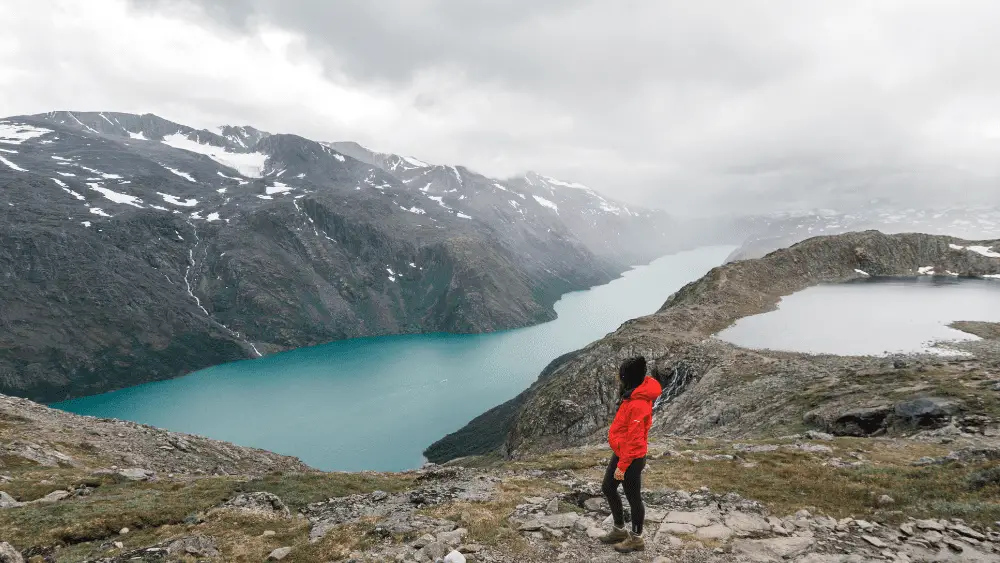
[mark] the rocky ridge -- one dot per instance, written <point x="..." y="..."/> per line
<point x="716" y="388"/>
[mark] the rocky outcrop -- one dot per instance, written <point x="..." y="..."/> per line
<point x="717" y="388"/>
<point x="52" y="438"/>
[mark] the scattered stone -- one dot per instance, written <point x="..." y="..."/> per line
<point x="530" y="526"/>
<point x="434" y="550"/>
<point x="775" y="549"/>
<point x="594" y="533"/>
<point x="269" y="533"/>
<point x="552" y="507"/>
<point x="714" y="532"/>
<point x="259" y="504"/>
<point x="886" y="500"/>
<point x="423" y="540"/>
<point x="136" y="474"/>
<point x="123" y="531"/>
<point x="470" y="548"/>
<point x="929" y="525"/>
<point x="8" y="554"/>
<point x="747" y="524"/>
<point x="7" y="501"/>
<point x="454" y="557"/>
<point x="677" y="529"/>
<point x="452" y="538"/>
<point x="560" y="521"/>
<point x="875" y="541"/>
<point x="54" y="496"/>
<point x="907" y="529"/>
<point x="198" y="546"/>
<point x="279" y="554"/>
<point x="966" y="531"/>
<point x="596" y="504"/>
<point x="697" y="519"/>
<point x="817" y="435"/>
<point x="953" y="545"/>
<point x="118" y="545"/>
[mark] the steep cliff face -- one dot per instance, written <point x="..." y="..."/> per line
<point x="711" y="386"/>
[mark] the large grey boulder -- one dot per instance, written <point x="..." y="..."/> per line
<point x="926" y="412"/>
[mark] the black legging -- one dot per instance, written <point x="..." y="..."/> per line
<point x="633" y="492"/>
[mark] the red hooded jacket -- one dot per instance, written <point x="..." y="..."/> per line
<point x="629" y="433"/>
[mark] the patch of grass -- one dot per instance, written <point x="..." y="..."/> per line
<point x="300" y="489"/>
<point x="109" y="509"/>
<point x="788" y="481"/>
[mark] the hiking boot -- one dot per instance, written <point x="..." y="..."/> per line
<point x="616" y="535"/>
<point x="630" y="544"/>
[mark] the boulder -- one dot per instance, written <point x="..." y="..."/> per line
<point x="925" y="412"/>
<point x="452" y="538"/>
<point x="7" y="501"/>
<point x="434" y="550"/>
<point x="454" y="557"/>
<point x="259" y="503"/>
<point x="8" y="554"/>
<point x="136" y="474"/>
<point x="197" y="546"/>
<point x="863" y="421"/>
<point x="279" y="554"/>
<point x="747" y="524"/>
<point x="54" y="496"/>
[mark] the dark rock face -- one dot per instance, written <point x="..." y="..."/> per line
<point x="865" y="421"/>
<point x="134" y="249"/>
<point x="714" y="388"/>
<point x="925" y="412"/>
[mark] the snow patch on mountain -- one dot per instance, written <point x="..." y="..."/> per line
<point x="277" y="188"/>
<point x="555" y="182"/>
<point x="99" y="211"/>
<point x="11" y="165"/>
<point x="415" y="161"/>
<point x="250" y="164"/>
<point x="17" y="133"/>
<point x="546" y="203"/>
<point x="184" y="175"/>
<point x="137" y="136"/>
<point x="115" y="196"/>
<point x="176" y="201"/>
<point x="415" y="210"/>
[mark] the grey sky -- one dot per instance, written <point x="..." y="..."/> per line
<point x="704" y="106"/>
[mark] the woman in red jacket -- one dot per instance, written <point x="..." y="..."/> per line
<point x="629" y="439"/>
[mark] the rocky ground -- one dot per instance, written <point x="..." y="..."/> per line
<point x="810" y="498"/>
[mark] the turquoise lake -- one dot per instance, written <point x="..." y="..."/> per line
<point x="377" y="403"/>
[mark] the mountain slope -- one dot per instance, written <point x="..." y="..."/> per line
<point x="136" y="249"/>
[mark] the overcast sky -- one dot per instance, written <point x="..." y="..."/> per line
<point x="687" y="105"/>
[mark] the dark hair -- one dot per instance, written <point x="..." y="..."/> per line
<point x="632" y="372"/>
